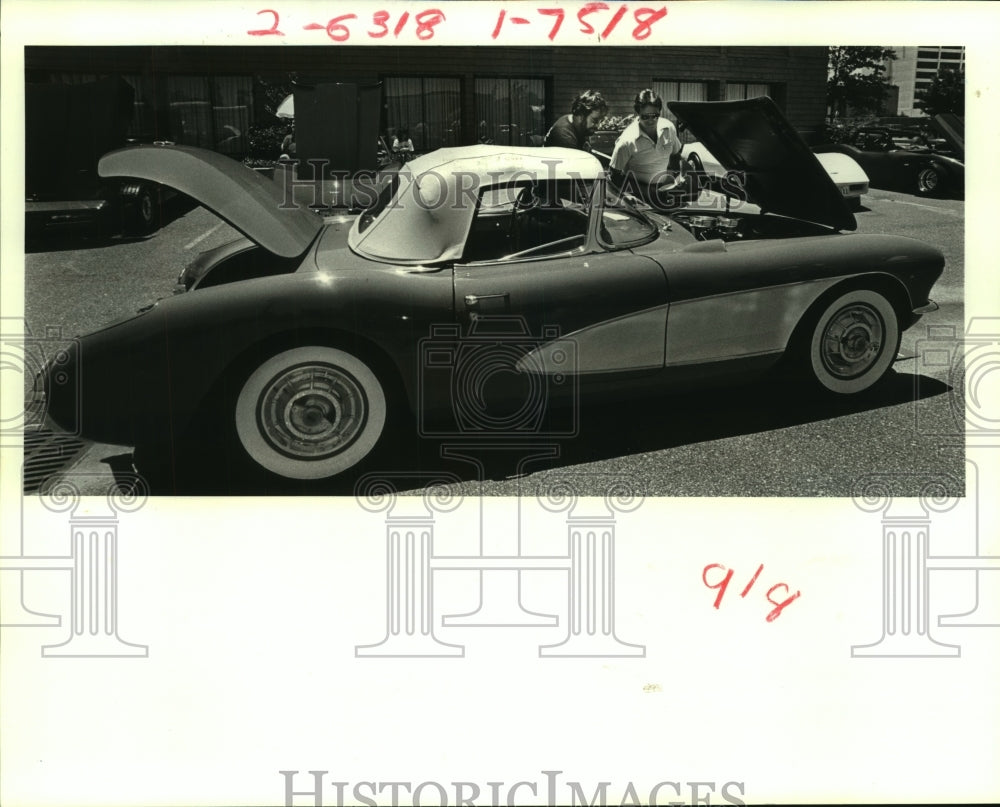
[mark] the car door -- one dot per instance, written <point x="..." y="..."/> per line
<point x="586" y="291"/>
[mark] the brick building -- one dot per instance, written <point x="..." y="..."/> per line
<point x="210" y="96"/>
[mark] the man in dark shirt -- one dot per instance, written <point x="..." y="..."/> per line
<point x="571" y="131"/>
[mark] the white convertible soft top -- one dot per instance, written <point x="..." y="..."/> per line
<point x="429" y="217"/>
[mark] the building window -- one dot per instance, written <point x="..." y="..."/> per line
<point x="681" y="91"/>
<point x="510" y="111"/>
<point x="430" y="108"/>
<point x="739" y="91"/>
<point x="143" y="124"/>
<point x="190" y="107"/>
<point x="232" y="107"/>
<point x="212" y="113"/>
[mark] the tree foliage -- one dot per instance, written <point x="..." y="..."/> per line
<point x="856" y="79"/>
<point x="273" y="89"/>
<point x="945" y="94"/>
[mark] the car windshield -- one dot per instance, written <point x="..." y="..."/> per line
<point x="621" y="224"/>
<point x="385" y="196"/>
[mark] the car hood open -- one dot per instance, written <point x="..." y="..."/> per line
<point x="781" y="175"/>
<point x="952" y="128"/>
<point x="252" y="203"/>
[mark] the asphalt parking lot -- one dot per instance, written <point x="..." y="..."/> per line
<point x="761" y="440"/>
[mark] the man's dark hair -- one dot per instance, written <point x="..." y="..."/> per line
<point x="587" y="102"/>
<point x="647" y="98"/>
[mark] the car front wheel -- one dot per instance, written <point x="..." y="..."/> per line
<point x="310" y="413"/>
<point x="853" y="342"/>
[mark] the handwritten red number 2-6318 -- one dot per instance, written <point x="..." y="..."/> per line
<point x="382" y="24"/>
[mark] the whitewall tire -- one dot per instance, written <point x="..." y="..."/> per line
<point x="310" y="413"/>
<point x="853" y="342"/>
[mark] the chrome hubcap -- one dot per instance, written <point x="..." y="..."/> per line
<point x="312" y="411"/>
<point x="852" y="341"/>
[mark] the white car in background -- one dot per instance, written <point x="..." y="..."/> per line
<point x="850" y="178"/>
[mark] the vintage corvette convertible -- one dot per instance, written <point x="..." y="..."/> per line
<point x="482" y="284"/>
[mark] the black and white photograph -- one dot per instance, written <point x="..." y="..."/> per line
<point x="374" y="369"/>
<point x="721" y="279"/>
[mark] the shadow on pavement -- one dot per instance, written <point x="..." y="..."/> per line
<point x="607" y="431"/>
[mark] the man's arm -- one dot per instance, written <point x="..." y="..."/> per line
<point x="561" y="136"/>
<point x="620" y="156"/>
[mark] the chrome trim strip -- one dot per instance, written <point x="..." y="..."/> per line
<point x="758" y="354"/>
<point x="927" y="309"/>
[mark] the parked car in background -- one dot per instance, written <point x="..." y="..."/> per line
<point x="922" y="164"/>
<point x="68" y="127"/>
<point x="847" y="175"/>
<point x="482" y="285"/>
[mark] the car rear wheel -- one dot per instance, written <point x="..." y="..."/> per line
<point x="141" y="218"/>
<point x="930" y="181"/>
<point x="310" y="413"/>
<point x="853" y="342"/>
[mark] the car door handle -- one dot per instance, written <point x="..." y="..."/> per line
<point x="474" y="299"/>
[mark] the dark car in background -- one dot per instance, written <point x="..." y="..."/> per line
<point x="928" y="161"/>
<point x="68" y="127"/>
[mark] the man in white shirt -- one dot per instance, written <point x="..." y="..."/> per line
<point x="646" y="156"/>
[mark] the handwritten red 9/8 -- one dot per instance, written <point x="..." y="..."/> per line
<point x="722" y="584"/>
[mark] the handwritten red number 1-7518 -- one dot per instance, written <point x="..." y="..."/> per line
<point x="644" y="18"/>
